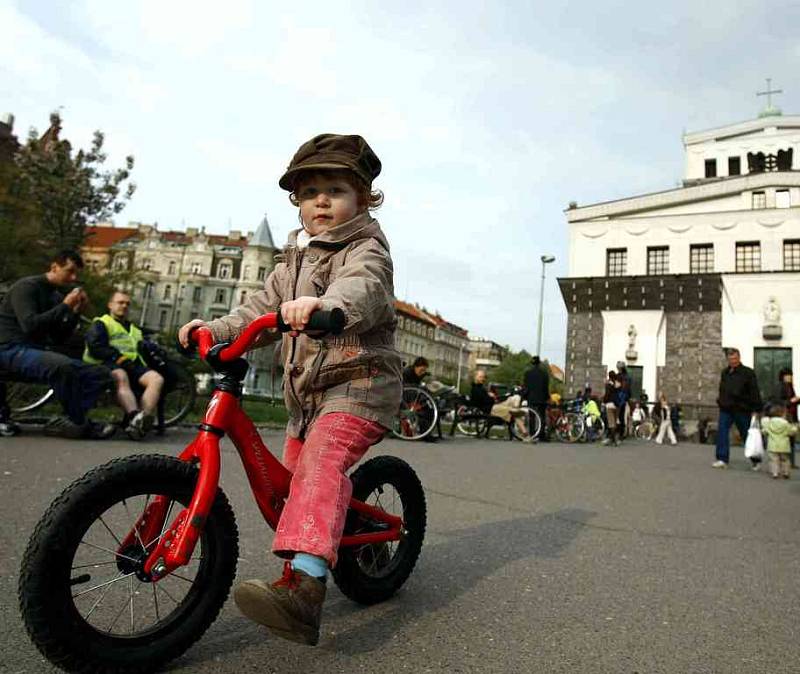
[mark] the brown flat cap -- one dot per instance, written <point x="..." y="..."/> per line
<point x="333" y="151"/>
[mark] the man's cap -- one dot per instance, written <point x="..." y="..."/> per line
<point x="333" y="151"/>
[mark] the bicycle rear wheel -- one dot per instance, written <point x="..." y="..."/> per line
<point x="569" y="427"/>
<point x="86" y="601"/>
<point x="372" y="573"/>
<point x="417" y="416"/>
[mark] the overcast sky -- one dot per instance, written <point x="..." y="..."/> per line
<point x="489" y="117"/>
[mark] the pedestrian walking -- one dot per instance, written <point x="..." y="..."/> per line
<point x="779" y="432"/>
<point x="663" y="415"/>
<point x="789" y="399"/>
<point x="611" y="400"/>
<point x="738" y="400"/>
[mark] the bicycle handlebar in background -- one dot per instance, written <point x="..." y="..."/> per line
<point x="331" y="322"/>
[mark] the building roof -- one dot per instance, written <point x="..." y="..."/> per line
<point x="263" y="235"/>
<point x="105" y="237"/>
<point x="747" y="127"/>
<point x="413" y="311"/>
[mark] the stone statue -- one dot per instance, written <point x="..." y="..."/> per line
<point x="772" y="312"/>
<point x="772" y="320"/>
<point x="632" y="337"/>
<point x="631" y="353"/>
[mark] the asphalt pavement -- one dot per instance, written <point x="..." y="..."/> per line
<point x="538" y="558"/>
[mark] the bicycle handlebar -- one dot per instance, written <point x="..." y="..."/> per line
<point x="331" y="322"/>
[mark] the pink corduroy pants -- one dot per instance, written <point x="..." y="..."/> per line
<point x="313" y="518"/>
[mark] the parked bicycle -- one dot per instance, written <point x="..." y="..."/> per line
<point x="524" y="424"/>
<point x="113" y="581"/>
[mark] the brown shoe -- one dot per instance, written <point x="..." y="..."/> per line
<point x="290" y="608"/>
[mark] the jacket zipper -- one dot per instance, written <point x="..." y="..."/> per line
<point x="298" y="260"/>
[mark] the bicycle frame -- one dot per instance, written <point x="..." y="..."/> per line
<point x="269" y="479"/>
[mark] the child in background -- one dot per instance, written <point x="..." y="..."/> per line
<point x="779" y="433"/>
<point x="591" y="412"/>
<point x="664" y="420"/>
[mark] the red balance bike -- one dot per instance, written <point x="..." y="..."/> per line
<point x="132" y="562"/>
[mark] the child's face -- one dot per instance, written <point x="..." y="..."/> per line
<point x="325" y="201"/>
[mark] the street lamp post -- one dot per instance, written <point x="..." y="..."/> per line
<point x="546" y="259"/>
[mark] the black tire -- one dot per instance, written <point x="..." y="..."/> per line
<point x="58" y="627"/>
<point x="372" y="573"/>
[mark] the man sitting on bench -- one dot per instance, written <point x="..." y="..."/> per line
<point x="35" y="318"/>
<point x="114" y="341"/>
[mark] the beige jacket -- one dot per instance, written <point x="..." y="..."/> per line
<point x="357" y="372"/>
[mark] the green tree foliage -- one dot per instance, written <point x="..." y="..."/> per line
<point x="512" y="368"/>
<point x="50" y="194"/>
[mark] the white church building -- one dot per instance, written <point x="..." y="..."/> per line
<point x="664" y="281"/>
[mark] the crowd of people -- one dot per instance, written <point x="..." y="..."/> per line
<point x="40" y="342"/>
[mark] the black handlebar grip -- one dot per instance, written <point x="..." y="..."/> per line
<point x="331" y="322"/>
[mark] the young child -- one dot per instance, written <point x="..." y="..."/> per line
<point x="779" y="432"/>
<point x="664" y="419"/>
<point x="341" y="392"/>
<point x="591" y="412"/>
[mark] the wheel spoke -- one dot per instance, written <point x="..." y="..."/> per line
<point x="91" y="566"/>
<point x="101" y="597"/>
<point x="160" y="585"/>
<point x="134" y="523"/>
<point x="108" y="529"/>
<point x="116" y="554"/>
<point x="97" y="587"/>
<point x="130" y="589"/>
<point x="163" y="527"/>
<point x="155" y="601"/>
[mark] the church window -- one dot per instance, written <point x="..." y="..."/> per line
<point x="219" y="296"/>
<point x="197" y="294"/>
<point x="759" y="200"/>
<point x="748" y="256"/>
<point x="262" y="273"/>
<point x="734" y="166"/>
<point x="167" y="292"/>
<point x="657" y="260"/>
<point x="782" y="199"/>
<point x="701" y="258"/>
<point x="791" y="255"/>
<point x="196" y="267"/>
<point x="711" y="168"/>
<point x="616" y="261"/>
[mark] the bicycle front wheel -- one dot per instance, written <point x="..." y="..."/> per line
<point x="24" y="398"/>
<point x="85" y="599"/>
<point x="569" y="427"/>
<point x="417" y="416"/>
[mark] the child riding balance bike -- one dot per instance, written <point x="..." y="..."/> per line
<point x="115" y="529"/>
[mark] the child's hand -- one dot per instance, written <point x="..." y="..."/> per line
<point x="297" y="312"/>
<point x="183" y="333"/>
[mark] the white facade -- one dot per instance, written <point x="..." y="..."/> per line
<point x="744" y="227"/>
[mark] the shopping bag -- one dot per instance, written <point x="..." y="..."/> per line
<point x="754" y="445"/>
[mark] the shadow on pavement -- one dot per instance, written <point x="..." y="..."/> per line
<point x="454" y="567"/>
<point x="446" y="571"/>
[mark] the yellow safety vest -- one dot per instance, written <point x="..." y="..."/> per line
<point x="121" y="339"/>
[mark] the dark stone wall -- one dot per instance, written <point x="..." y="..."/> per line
<point x="584" y="352"/>
<point x="694" y="361"/>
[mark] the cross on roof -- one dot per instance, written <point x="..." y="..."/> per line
<point x="768" y="93"/>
